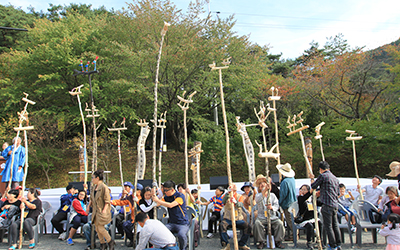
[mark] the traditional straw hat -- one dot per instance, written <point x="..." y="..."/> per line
<point x="395" y="167"/>
<point x="286" y="170"/>
<point x="260" y="178"/>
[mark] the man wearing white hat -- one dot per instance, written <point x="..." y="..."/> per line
<point x="287" y="195"/>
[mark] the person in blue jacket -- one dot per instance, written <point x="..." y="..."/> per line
<point x="287" y="195"/>
<point x="62" y="214"/>
<point x="19" y="162"/>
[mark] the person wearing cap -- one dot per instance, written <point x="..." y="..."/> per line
<point x="329" y="197"/>
<point x="19" y="162"/>
<point x="175" y="202"/>
<point x="287" y="195"/>
<point x="62" y="214"/>
<point x="263" y="206"/>
<point x="239" y="216"/>
<point x="120" y="218"/>
<point x="130" y="200"/>
<point x="248" y="191"/>
<point x="216" y="200"/>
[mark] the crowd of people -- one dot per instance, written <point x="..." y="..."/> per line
<point x="261" y="210"/>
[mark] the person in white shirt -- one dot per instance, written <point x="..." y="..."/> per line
<point x="156" y="233"/>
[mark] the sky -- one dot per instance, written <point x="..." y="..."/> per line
<point x="288" y="27"/>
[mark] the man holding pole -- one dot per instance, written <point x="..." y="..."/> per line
<point x="19" y="162"/>
<point x="237" y="201"/>
<point x="329" y="185"/>
<point x="287" y="195"/>
<point x="178" y="218"/>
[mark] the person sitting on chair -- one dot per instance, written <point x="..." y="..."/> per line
<point x="216" y="200"/>
<point x="34" y="206"/>
<point x="263" y="208"/>
<point x="62" y="214"/>
<point x="239" y="217"/>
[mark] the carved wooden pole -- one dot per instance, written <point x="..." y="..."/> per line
<point x="195" y="153"/>
<point x="293" y="130"/>
<point x="24" y="117"/>
<point x="228" y="158"/>
<point x="319" y="137"/>
<point x="248" y="148"/>
<point x="93" y="114"/>
<point x="184" y="105"/>
<point x="141" y="163"/>
<point x="353" y="139"/>
<point x="162" y="123"/>
<point x="163" y="32"/>
<point x="119" y="154"/>
<point x="77" y="91"/>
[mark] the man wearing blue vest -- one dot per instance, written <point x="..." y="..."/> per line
<point x="287" y="195"/>
<point x="178" y="219"/>
<point x="62" y="214"/>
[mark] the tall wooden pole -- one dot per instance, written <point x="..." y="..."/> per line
<point x="262" y="117"/>
<point x="228" y="157"/>
<point x="119" y="155"/>
<point x="293" y="130"/>
<point x="163" y="32"/>
<point x="353" y="139"/>
<point x="162" y="123"/>
<point x="319" y="137"/>
<point x="184" y="105"/>
<point x="93" y="114"/>
<point x="24" y="116"/>
<point x="77" y="91"/>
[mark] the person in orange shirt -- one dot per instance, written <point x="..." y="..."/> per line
<point x="129" y="200"/>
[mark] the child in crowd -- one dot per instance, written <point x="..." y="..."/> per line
<point x="392" y="232"/>
<point x="79" y="214"/>
<point x="216" y="214"/>
<point x="346" y="199"/>
<point x="146" y="204"/>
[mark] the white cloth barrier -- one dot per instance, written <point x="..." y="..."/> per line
<point x="53" y="195"/>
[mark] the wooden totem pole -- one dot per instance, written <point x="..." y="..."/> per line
<point x="113" y="129"/>
<point x="213" y="67"/>
<point x="266" y="154"/>
<point x="23" y="116"/>
<point x="293" y="130"/>
<point x="184" y="105"/>
<point x="319" y="137"/>
<point x="77" y="91"/>
<point x="354" y="139"/>
<point x="163" y="33"/>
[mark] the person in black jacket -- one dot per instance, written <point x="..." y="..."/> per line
<point x="62" y="214"/>
<point x="308" y="222"/>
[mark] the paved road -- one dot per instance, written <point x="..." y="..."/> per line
<point x="48" y="242"/>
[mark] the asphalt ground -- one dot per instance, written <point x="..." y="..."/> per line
<point x="52" y="243"/>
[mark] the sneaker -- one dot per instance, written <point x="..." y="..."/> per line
<point x="62" y="236"/>
<point x="70" y="242"/>
<point x="353" y="229"/>
<point x="210" y="235"/>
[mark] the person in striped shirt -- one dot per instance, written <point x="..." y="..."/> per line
<point x="216" y="214"/>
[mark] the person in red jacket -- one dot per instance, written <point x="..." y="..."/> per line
<point x="79" y="214"/>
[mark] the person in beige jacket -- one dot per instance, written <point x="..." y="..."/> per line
<point x="100" y="201"/>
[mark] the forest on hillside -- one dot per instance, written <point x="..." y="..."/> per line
<point x="345" y="87"/>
